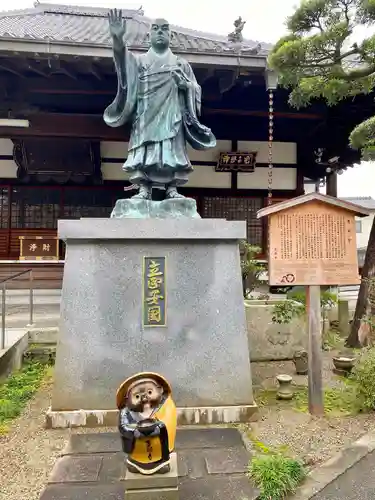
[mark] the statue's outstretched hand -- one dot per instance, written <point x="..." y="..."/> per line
<point x="117" y="25"/>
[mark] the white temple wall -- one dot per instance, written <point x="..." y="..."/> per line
<point x="204" y="176"/>
<point x="113" y="155"/>
<point x="8" y="167"/>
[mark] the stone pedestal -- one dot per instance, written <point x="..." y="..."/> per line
<point x="203" y="349"/>
<point x="154" y="487"/>
<point x="173" y="208"/>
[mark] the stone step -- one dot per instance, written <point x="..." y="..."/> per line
<point x="43" y="335"/>
<point x="212" y="465"/>
<point x="44" y="353"/>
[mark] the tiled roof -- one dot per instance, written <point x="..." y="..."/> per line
<point x="363" y="201"/>
<point x="89" y="26"/>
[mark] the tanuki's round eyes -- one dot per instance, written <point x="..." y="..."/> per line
<point x="137" y="396"/>
<point x="150" y="393"/>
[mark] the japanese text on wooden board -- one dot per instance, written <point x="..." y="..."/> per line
<point x="39" y="248"/>
<point x="236" y="162"/>
<point x="154" y="292"/>
<point x="312" y="247"/>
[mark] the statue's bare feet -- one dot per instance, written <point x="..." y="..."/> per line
<point x="143" y="194"/>
<point x="173" y="193"/>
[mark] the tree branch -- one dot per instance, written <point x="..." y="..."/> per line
<point x="356" y="74"/>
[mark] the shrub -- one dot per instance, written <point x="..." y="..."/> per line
<point x="363" y="376"/>
<point x="251" y="269"/>
<point x="276" y="475"/>
<point x="295" y="305"/>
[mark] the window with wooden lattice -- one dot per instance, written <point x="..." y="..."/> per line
<point x="233" y="208"/>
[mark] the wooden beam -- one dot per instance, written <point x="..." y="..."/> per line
<point x="10" y="68"/>
<point x="59" y="66"/>
<point x="56" y="125"/>
<point x="36" y="68"/>
<point x="245" y="112"/>
<point x="94" y="70"/>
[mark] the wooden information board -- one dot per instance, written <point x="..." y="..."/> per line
<point x="39" y="248"/>
<point x="312" y="243"/>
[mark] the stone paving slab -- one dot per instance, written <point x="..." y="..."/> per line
<point x="84" y="492"/>
<point x="109" y="442"/>
<point x="89" y="468"/>
<point x="211" y="466"/>
<point x="357" y="483"/>
<point x="219" y="488"/>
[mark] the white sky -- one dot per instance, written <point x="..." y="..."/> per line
<point x="265" y="22"/>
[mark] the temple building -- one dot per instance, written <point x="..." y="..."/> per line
<point x="58" y="159"/>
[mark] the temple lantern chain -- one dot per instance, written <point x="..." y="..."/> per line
<point x="270" y="144"/>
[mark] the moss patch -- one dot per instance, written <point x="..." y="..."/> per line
<point x="17" y="389"/>
<point x="338" y="401"/>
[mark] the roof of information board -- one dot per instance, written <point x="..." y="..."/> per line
<point x="359" y="211"/>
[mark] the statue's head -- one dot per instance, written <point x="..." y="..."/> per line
<point x="146" y="388"/>
<point x="144" y="391"/>
<point x="160" y="34"/>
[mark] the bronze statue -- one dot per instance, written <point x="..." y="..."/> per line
<point x="158" y="94"/>
<point x="147" y="422"/>
<point x="236" y="36"/>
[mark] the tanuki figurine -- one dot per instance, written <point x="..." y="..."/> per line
<point x="147" y="422"/>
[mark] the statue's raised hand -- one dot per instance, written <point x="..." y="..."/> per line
<point x="117" y="25"/>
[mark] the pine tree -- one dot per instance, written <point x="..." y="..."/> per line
<point x="318" y="59"/>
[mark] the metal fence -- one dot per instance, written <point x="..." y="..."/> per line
<point x="3" y="284"/>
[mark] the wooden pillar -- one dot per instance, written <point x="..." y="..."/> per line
<point x="315" y="389"/>
<point x="331" y="181"/>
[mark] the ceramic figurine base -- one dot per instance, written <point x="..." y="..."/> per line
<point x="203" y="349"/>
<point x="154" y="487"/>
<point x="173" y="208"/>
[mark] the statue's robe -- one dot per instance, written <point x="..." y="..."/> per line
<point x="162" y="116"/>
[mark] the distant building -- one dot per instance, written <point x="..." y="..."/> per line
<point x="363" y="225"/>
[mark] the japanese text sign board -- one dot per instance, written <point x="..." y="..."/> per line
<point x="312" y="241"/>
<point x="39" y="248"/>
<point x="236" y="162"/>
<point x="154" y="311"/>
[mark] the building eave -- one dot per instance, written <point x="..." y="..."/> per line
<point x="49" y="48"/>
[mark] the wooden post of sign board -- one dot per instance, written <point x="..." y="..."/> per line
<point x="315" y="390"/>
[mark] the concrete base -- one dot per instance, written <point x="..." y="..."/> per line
<point x="202" y="350"/>
<point x="11" y="358"/>
<point x="153" y="481"/>
<point x="153" y="487"/>
<point x="185" y="416"/>
<point x="152" y="494"/>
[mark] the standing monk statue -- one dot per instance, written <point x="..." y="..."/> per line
<point x="159" y="96"/>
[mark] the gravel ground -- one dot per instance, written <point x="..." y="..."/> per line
<point x="312" y="439"/>
<point x="28" y="452"/>
<point x="264" y="373"/>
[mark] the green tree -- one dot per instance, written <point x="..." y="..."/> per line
<point x="319" y="59"/>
